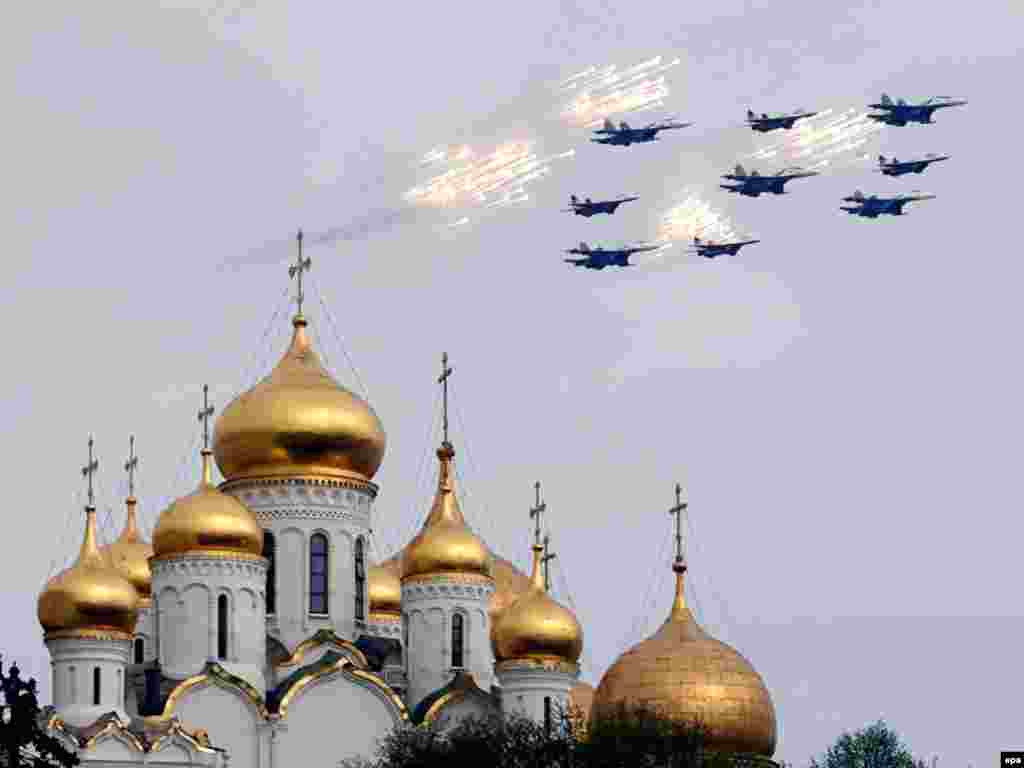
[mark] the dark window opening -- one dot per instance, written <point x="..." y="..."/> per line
<point x="222" y="627"/>
<point x="140" y="650"/>
<point x="457" y="638"/>
<point x="547" y="715"/>
<point x="318" y="573"/>
<point x="96" y="686"/>
<point x="270" y="552"/>
<point x="360" y="580"/>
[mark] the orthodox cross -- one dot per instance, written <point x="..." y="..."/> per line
<point x="204" y="416"/>
<point x="678" y="510"/>
<point x="295" y="271"/>
<point x="131" y="465"/>
<point x="89" y="470"/>
<point x="548" y="555"/>
<point x="536" y="512"/>
<point x="443" y="381"/>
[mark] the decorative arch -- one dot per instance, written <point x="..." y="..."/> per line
<point x="336" y="666"/>
<point x="321" y="638"/>
<point x="215" y="674"/>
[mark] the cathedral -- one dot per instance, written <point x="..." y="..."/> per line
<point x="254" y="632"/>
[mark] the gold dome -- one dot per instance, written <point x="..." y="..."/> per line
<point x="687" y="674"/>
<point x="207" y="520"/>
<point x="129" y="555"/>
<point x="509" y="585"/>
<point x="384" y="588"/>
<point x="446" y="544"/>
<point x="536" y="627"/>
<point x="581" y="699"/>
<point x="90" y="596"/>
<point x="298" y="421"/>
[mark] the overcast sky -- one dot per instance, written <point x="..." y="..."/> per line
<point x="840" y="401"/>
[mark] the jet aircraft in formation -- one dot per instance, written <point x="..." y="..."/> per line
<point x="900" y="113"/>
<point x="589" y="208"/>
<point x="599" y="258"/>
<point x="873" y="206"/>
<point x="894" y="167"/>
<point x="753" y="184"/>
<point x="623" y="136"/>
<point x="766" y="123"/>
<point x="709" y="249"/>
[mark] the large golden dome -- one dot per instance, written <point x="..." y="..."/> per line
<point x="90" y="596"/>
<point x="446" y="544"/>
<point x="384" y="589"/>
<point x="535" y="627"/>
<point x="296" y="421"/>
<point x="129" y="555"/>
<point x="687" y="674"/>
<point x="207" y="520"/>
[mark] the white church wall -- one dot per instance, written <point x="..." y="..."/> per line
<point x="469" y="706"/>
<point x="525" y="686"/>
<point x="229" y="717"/>
<point x="74" y="662"/>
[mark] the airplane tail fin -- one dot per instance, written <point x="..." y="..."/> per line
<point x="886" y="99"/>
<point x="573" y="199"/>
<point x="901" y="102"/>
<point x="881" y="159"/>
<point x="858" y="195"/>
<point x="750" y="114"/>
<point x="696" y="240"/>
<point x="609" y="125"/>
<point x="624" y="126"/>
<point x="739" y="170"/>
<point x="754" y="173"/>
<point x="584" y="247"/>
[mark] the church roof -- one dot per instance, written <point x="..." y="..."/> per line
<point x="462" y="685"/>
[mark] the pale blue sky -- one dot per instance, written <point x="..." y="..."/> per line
<point x="840" y="401"/>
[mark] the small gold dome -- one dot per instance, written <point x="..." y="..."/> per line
<point x="298" y="421"/>
<point x="687" y="674"/>
<point x="384" y="588"/>
<point x="446" y="544"/>
<point x="536" y="627"/>
<point x="129" y="555"/>
<point x="509" y="585"/>
<point x="207" y="520"/>
<point x="90" y="596"/>
<point x="581" y="700"/>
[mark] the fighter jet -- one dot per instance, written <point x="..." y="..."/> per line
<point x="709" y="249"/>
<point x="874" y="206"/>
<point x="893" y="167"/>
<point x="901" y="113"/>
<point x="589" y="208"/>
<point x="599" y="258"/>
<point x="764" y="123"/>
<point x="754" y="184"/>
<point x="623" y="136"/>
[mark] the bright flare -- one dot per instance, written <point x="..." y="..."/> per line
<point x="696" y="217"/>
<point x="828" y="139"/>
<point x="597" y="93"/>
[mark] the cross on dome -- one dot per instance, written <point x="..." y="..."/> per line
<point x="677" y="511"/>
<point x="535" y="512"/>
<point x="443" y="381"/>
<point x="130" y="466"/>
<point x="204" y="416"/>
<point x="295" y="272"/>
<point x="89" y="470"/>
<point x="548" y="555"/>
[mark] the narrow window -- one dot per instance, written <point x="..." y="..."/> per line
<point x="360" y="580"/>
<point x="140" y="650"/>
<point x="222" y="627"/>
<point x="547" y="715"/>
<point x="318" y="573"/>
<point x="270" y="552"/>
<point x="457" y="637"/>
<point x="73" y="685"/>
<point x="405" y="640"/>
<point x="95" y="686"/>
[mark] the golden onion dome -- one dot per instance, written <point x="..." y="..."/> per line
<point x="509" y="585"/>
<point x="686" y="674"/>
<point x="298" y="421"/>
<point x="581" y="699"/>
<point x="384" y="590"/>
<point x="129" y="554"/>
<point x="535" y="627"/>
<point x="207" y="520"/>
<point x="446" y="544"/>
<point x="90" y="596"/>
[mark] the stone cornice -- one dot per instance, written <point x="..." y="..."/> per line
<point x="319" y="486"/>
<point x="200" y="564"/>
<point x="446" y="586"/>
<point x="527" y="667"/>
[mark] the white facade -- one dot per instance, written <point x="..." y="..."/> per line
<point x="538" y="690"/>
<point x="429" y="607"/>
<point x="88" y="677"/>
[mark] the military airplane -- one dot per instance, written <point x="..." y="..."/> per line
<point x="623" y="136"/>
<point x="753" y="184"/>
<point x="875" y="205"/>
<point x="709" y="249"/>
<point x="900" y="112"/>
<point x="599" y="258"/>
<point x="764" y="123"/>
<point x="589" y="208"/>
<point x="893" y="167"/>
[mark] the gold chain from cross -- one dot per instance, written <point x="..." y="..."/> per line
<point x="295" y="271"/>
<point x="443" y="381"/>
<point x="131" y="465"/>
<point x="548" y="555"/>
<point x="535" y="513"/>
<point x="204" y="416"/>
<point x="89" y="470"/>
<point x="678" y="510"/>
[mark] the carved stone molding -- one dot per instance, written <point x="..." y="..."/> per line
<point x="208" y="565"/>
<point x="447" y="586"/>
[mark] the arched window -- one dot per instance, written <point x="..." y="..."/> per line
<point x="360" y="580"/>
<point x="318" y="573"/>
<point x="458" y="631"/>
<point x="270" y="552"/>
<point x="95" y="686"/>
<point x="140" y="650"/>
<point x="547" y="715"/>
<point x="405" y="640"/>
<point x="222" y="627"/>
<point x="72" y="685"/>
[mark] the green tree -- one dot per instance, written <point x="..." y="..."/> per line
<point x="23" y="742"/>
<point x="876" y="746"/>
